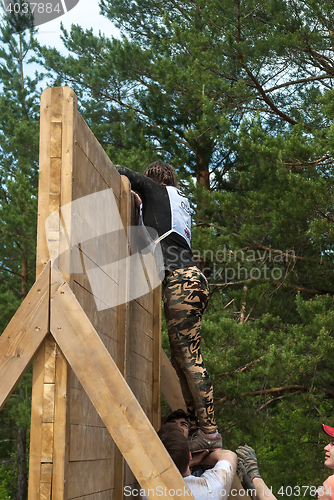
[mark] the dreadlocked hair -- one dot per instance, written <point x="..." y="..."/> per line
<point x="162" y="173"/>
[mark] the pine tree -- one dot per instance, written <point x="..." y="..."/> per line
<point x="19" y="124"/>
<point x="238" y="97"/>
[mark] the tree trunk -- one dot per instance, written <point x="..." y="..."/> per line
<point x="24" y="276"/>
<point x="203" y="155"/>
<point x="22" y="477"/>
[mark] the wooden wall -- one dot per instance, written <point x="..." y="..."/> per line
<point x="72" y="454"/>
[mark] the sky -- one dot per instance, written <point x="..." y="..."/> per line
<point x="85" y="13"/>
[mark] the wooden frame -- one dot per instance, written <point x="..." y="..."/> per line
<point x="96" y="371"/>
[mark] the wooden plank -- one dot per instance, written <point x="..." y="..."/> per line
<point x="23" y="335"/>
<point x="90" y="443"/>
<point x="44" y="492"/>
<point x="141" y="320"/>
<point x="87" y="142"/>
<point x="63" y="109"/>
<point x="47" y="442"/>
<point x="68" y="109"/>
<point x="111" y="396"/>
<point x="141" y="343"/>
<point x="123" y="322"/>
<point x="140" y="368"/>
<point x="49" y="402"/>
<point x="87" y="478"/>
<point x="156" y="355"/>
<point x="101" y="495"/>
<point x="142" y="391"/>
<point x="170" y="384"/>
<point x="82" y="411"/>
<point x="44" y="180"/>
<point x="50" y="360"/>
<point x="61" y="428"/>
<point x="46" y="482"/>
<point x="105" y="322"/>
<point x="36" y="425"/>
<point x="145" y="301"/>
<point x="46" y="473"/>
<point x="88" y="179"/>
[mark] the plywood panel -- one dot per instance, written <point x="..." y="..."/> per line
<point x="86" y="141"/>
<point x="141" y="320"/>
<point x="90" y="443"/>
<point x="101" y="495"/>
<point x="86" y="478"/>
<point x="146" y="302"/>
<point x="142" y="391"/>
<point x="82" y="411"/>
<point x="141" y="343"/>
<point x="140" y="368"/>
<point x="44" y="492"/>
<point x="48" y="402"/>
<point x="36" y="425"/>
<point x="104" y="321"/>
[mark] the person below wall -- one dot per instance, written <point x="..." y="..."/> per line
<point x="213" y="484"/>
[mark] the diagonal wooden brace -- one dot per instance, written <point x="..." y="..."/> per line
<point x="110" y="394"/>
<point x="24" y="334"/>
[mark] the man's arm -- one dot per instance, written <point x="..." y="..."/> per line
<point x="138" y="181"/>
<point x="215" y="456"/>
<point x="262" y="490"/>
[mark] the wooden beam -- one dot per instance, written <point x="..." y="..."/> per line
<point x="23" y="335"/>
<point x="123" y="319"/>
<point x="156" y="369"/>
<point x="110" y="394"/>
<point x="170" y="384"/>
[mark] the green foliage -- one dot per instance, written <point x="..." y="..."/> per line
<point x="237" y="96"/>
<point x="19" y="130"/>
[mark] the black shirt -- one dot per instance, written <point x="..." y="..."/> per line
<point x="157" y="214"/>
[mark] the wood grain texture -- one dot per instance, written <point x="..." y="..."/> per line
<point x="90" y="443"/>
<point x="156" y="356"/>
<point x="42" y="256"/>
<point x="90" y="478"/>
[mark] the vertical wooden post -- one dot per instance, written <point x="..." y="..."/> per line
<point x="50" y="373"/>
<point x="123" y="318"/>
<point x="156" y="393"/>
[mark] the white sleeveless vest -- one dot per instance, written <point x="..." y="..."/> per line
<point x="180" y="215"/>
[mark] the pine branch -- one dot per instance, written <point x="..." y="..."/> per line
<point x="302" y="164"/>
<point x="265" y="391"/>
<point x="295" y="82"/>
<point x="269" y="101"/>
<point x="288" y="255"/>
<point x="10" y="271"/>
<point x="248" y="365"/>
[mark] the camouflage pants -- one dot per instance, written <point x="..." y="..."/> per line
<point x="186" y="295"/>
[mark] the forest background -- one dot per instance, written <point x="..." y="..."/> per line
<point x="238" y="97"/>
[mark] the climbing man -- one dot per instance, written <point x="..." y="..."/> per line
<point x="186" y="293"/>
